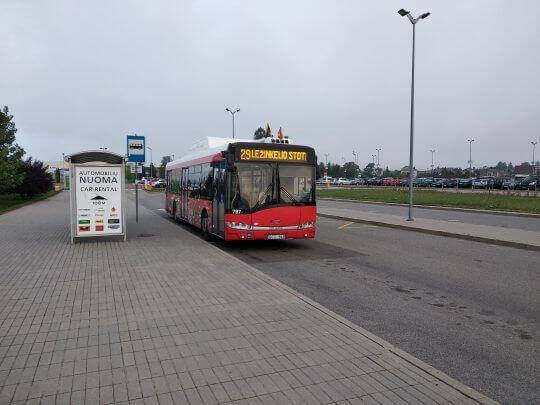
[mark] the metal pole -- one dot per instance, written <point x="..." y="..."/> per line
<point x="533" y="166"/>
<point x="233" y="125"/>
<point x="410" y="218"/>
<point x="136" y="192"/>
<point x="432" y="152"/>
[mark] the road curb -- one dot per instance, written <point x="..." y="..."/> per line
<point x="438" y="207"/>
<point x="439" y="375"/>
<point x="491" y="241"/>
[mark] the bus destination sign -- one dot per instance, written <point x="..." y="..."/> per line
<point x="271" y="154"/>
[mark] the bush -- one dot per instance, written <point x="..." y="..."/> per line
<point x="36" y="179"/>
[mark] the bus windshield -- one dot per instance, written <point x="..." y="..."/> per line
<point x="255" y="185"/>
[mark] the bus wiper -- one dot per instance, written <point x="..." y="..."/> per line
<point x="281" y="188"/>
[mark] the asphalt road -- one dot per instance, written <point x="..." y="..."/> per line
<point x="469" y="309"/>
<point x="505" y="221"/>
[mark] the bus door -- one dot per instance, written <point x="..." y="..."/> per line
<point x="218" y="208"/>
<point x="184" y="195"/>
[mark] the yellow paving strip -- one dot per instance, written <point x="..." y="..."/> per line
<point x="345" y="225"/>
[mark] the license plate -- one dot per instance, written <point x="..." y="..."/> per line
<point x="275" y="236"/>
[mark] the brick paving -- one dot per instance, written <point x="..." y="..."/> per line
<point x="169" y="319"/>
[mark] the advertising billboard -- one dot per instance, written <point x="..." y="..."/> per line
<point x="98" y="194"/>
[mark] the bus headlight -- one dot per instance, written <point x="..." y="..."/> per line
<point x="238" y="225"/>
<point x="306" y="225"/>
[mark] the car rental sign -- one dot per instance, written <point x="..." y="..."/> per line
<point x="98" y="200"/>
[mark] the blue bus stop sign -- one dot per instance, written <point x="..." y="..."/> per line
<point x="136" y="149"/>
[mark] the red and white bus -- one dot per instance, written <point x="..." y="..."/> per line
<point x="245" y="190"/>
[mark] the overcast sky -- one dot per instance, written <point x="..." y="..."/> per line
<point x="334" y="74"/>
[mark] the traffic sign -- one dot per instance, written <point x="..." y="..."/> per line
<point x="136" y="148"/>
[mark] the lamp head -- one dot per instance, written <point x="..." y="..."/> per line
<point x="425" y="15"/>
<point x="227" y="109"/>
<point x="403" y="12"/>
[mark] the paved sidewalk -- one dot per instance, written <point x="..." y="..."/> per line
<point x="167" y="318"/>
<point x="482" y="233"/>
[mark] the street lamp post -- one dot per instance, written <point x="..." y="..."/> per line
<point x="432" y="152"/>
<point x="355" y="157"/>
<point x="232" y="114"/>
<point x="413" y="21"/>
<point x="470" y="156"/>
<point x="533" y="165"/>
<point x="378" y="161"/>
<point x="151" y="161"/>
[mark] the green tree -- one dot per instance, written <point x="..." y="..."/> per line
<point x="321" y="168"/>
<point x="10" y="153"/>
<point x="259" y="133"/>
<point x="351" y="170"/>
<point x="165" y="159"/>
<point x="130" y="177"/>
<point x="369" y="170"/>
<point x="36" y="179"/>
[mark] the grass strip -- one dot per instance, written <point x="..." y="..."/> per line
<point x="10" y="202"/>
<point x="480" y="201"/>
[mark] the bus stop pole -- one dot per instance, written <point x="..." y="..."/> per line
<point x="136" y="193"/>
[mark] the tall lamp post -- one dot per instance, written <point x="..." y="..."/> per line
<point x="151" y="160"/>
<point x="378" y="161"/>
<point x="355" y="157"/>
<point x="413" y="21"/>
<point x="533" y="165"/>
<point x="432" y="152"/>
<point x="470" y="156"/>
<point x="232" y="113"/>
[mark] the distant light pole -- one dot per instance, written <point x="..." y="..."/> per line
<point x="533" y="165"/>
<point x="413" y="21"/>
<point x="373" y="157"/>
<point x="355" y="157"/>
<point x="378" y="161"/>
<point x="432" y="152"/>
<point x="470" y="156"/>
<point x="151" y="160"/>
<point x="326" y="159"/>
<point x="232" y="114"/>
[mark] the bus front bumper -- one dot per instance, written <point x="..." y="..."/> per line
<point x="236" y="234"/>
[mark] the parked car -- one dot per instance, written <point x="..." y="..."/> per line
<point x="483" y="182"/>
<point x="450" y="183"/>
<point x="404" y="182"/>
<point x="438" y="183"/>
<point x="424" y="182"/>
<point x="528" y="183"/>
<point x="358" y="182"/>
<point x="497" y="183"/>
<point x="159" y="184"/>
<point x="374" y="181"/>
<point x="509" y="184"/>
<point x="465" y="183"/>
<point x="342" y="181"/>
